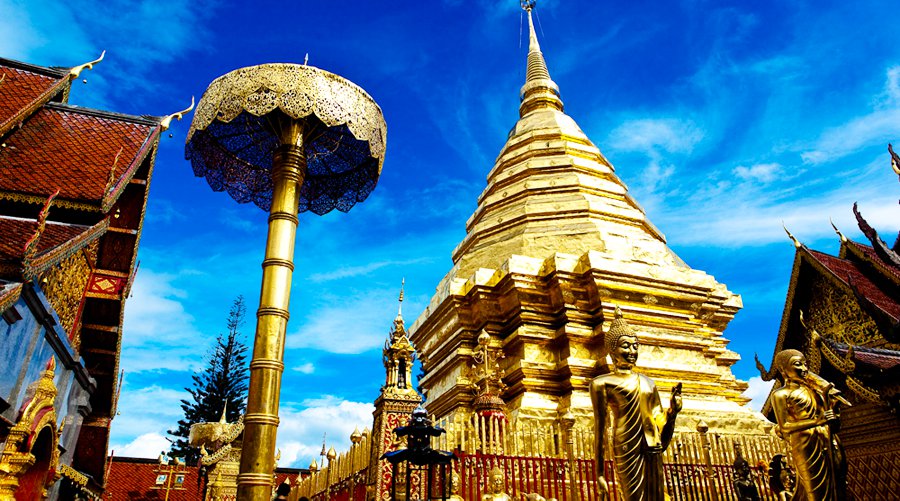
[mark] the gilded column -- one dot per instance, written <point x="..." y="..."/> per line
<point x="267" y="366"/>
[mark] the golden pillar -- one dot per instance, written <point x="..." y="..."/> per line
<point x="289" y="138"/>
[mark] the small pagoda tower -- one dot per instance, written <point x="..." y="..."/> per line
<point x="394" y="405"/>
<point x="555" y="242"/>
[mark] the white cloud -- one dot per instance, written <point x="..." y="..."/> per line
<point x="156" y="319"/>
<point x="763" y="173"/>
<point x="668" y="135"/>
<point x="303" y="425"/>
<point x="758" y="391"/>
<point x="362" y="270"/>
<point x="145" y="414"/>
<point x="881" y="125"/>
<point x="759" y="221"/>
<point x="307" y="368"/>
<point x="148" y="445"/>
<point x="891" y="94"/>
<point x="355" y="322"/>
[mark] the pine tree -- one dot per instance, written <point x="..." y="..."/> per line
<point x="224" y="381"/>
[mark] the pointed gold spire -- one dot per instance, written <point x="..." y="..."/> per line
<point x="539" y="91"/>
<point x="400" y="300"/>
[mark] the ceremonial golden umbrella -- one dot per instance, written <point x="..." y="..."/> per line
<point x="289" y="138"/>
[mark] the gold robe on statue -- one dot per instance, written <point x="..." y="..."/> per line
<point x="811" y="447"/>
<point x="641" y="432"/>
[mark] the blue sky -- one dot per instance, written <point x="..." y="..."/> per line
<point x="723" y="118"/>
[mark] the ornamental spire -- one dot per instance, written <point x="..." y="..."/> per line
<point x="539" y="91"/>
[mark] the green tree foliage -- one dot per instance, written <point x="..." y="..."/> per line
<point x="223" y="381"/>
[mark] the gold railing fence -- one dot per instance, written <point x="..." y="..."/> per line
<point x="493" y="440"/>
<point x="346" y="465"/>
<point x="493" y="435"/>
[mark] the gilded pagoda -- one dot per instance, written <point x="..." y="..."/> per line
<point x="555" y="244"/>
<point x="73" y="191"/>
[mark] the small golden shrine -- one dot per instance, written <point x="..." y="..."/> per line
<point x="843" y="313"/>
<point x="73" y="191"/>
<point x="393" y="407"/>
<point x="220" y="455"/>
<point x="555" y="242"/>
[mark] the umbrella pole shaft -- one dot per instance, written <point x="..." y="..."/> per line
<point x="266" y="367"/>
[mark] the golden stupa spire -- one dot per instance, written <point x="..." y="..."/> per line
<point x="539" y="91"/>
<point x="399" y="328"/>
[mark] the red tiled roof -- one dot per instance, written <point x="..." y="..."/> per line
<point x="870" y="255"/>
<point x="21" y="89"/>
<point x="871" y="357"/>
<point x="132" y="479"/>
<point x="847" y="271"/>
<point x="72" y="149"/>
<point x="17" y="232"/>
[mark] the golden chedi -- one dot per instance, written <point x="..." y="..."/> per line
<point x="556" y="240"/>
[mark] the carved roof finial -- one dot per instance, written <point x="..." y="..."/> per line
<point x="167" y="120"/>
<point x="76" y="71"/>
<point x="32" y="245"/>
<point x="110" y="182"/>
<point x="224" y="419"/>
<point x="797" y="243"/>
<point x="836" y="230"/>
<point x="895" y="160"/>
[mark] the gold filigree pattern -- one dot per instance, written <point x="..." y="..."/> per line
<point x="64" y="288"/>
<point x="856" y="386"/>
<point x="16" y="457"/>
<point x="836" y="315"/>
<point x="297" y="90"/>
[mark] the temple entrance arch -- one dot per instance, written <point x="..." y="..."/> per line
<point x="30" y="455"/>
<point x="32" y="483"/>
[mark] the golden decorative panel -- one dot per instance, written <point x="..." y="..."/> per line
<point x="64" y="287"/>
<point x="836" y="315"/>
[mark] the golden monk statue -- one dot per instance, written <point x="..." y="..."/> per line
<point x="496" y="487"/>
<point x="454" y="488"/>
<point x="804" y="408"/>
<point x="641" y="429"/>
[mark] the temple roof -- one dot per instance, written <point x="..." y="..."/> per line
<point x="75" y="150"/>
<point x="851" y="272"/>
<point x="55" y="242"/>
<point x="877" y="359"/>
<point x="867" y="254"/>
<point x="24" y="88"/>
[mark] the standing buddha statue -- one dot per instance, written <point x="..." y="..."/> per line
<point x="641" y="429"/>
<point x="804" y="409"/>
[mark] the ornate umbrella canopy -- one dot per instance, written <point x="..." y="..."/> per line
<point x="235" y="132"/>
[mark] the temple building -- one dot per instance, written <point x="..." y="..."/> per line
<point x="843" y="313"/>
<point x="555" y="244"/>
<point x="73" y="191"/>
